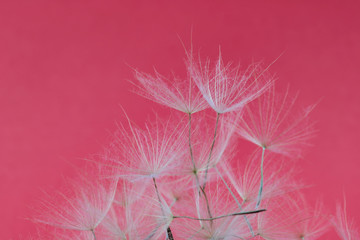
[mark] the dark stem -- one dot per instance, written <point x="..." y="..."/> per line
<point x="169" y="233"/>
<point x="222" y="216"/>
<point x="93" y="232"/>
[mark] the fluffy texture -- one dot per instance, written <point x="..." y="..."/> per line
<point x="225" y="87"/>
<point x="186" y="177"/>
<point x="290" y="217"/>
<point x="271" y="122"/>
<point x="81" y="209"/>
<point x="245" y="179"/>
<point x="148" y="153"/>
<point x="182" y="95"/>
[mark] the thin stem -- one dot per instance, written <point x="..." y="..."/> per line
<point x="237" y="202"/>
<point x="158" y="195"/>
<point x="227" y="186"/>
<point x="202" y="190"/>
<point x="172" y="203"/>
<point x="211" y="150"/>
<point x="262" y="179"/>
<point x="93" y="232"/>
<point x="195" y="172"/>
<point x="222" y="216"/>
<point x="198" y="188"/>
<point x="168" y="233"/>
<point x="190" y="145"/>
<point x="207" y="202"/>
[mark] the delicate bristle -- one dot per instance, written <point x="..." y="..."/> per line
<point x="185" y="176"/>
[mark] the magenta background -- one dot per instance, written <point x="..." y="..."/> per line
<point x="63" y="74"/>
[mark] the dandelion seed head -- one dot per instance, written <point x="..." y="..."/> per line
<point x="225" y="87"/>
<point x="179" y="94"/>
<point x="148" y="153"/>
<point x="83" y="208"/>
<point x="271" y="123"/>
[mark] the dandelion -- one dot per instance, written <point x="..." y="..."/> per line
<point x="177" y="192"/>
<point x="177" y="179"/>
<point x="83" y="209"/>
<point x="271" y="125"/>
<point x="245" y="180"/>
<point x="160" y="213"/>
<point x="126" y="218"/>
<point x="217" y="227"/>
<point x="150" y="153"/>
<point x="175" y="93"/>
<point x="273" y="224"/>
<point x="205" y="154"/>
<point x="227" y="88"/>
<point x="291" y="218"/>
<point x="311" y="223"/>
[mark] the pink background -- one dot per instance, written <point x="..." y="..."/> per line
<point x="63" y="74"/>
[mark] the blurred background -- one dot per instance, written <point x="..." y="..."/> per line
<point x="64" y="71"/>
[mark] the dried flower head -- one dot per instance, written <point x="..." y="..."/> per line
<point x="245" y="180"/>
<point x="270" y="123"/>
<point x="148" y="153"/>
<point x="291" y="218"/>
<point x="175" y="93"/>
<point x="177" y="179"/>
<point x="220" y="203"/>
<point x="83" y="208"/>
<point x="227" y="88"/>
